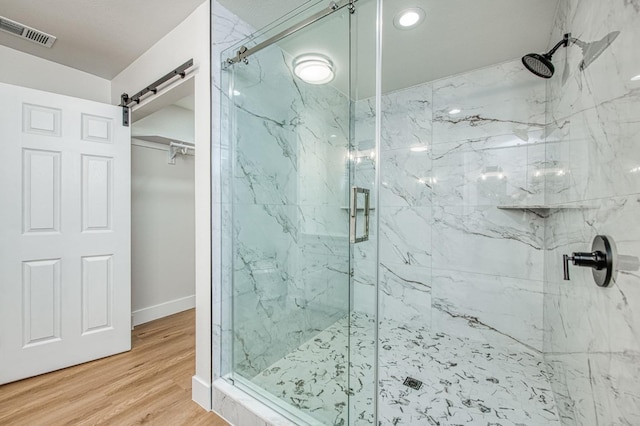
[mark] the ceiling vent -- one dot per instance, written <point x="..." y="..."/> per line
<point x="28" y="33"/>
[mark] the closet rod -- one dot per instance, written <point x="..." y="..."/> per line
<point x="182" y="145"/>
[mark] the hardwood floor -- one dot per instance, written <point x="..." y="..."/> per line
<point x="151" y="384"/>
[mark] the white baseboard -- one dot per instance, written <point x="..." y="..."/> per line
<point x="162" y="310"/>
<point x="201" y="393"/>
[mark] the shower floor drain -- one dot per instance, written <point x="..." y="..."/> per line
<point x="412" y="383"/>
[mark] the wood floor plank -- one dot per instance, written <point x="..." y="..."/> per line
<point x="151" y="384"/>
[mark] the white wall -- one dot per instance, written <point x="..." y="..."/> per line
<point x="181" y="44"/>
<point x="162" y="232"/>
<point x="22" y="69"/>
<point x="188" y="40"/>
<point x="171" y="122"/>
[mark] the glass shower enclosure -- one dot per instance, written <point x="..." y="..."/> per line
<point x="479" y="182"/>
<point x="300" y="196"/>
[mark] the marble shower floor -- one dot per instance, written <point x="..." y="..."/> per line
<point x="465" y="381"/>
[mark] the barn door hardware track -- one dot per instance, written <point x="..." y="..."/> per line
<point x="127" y="101"/>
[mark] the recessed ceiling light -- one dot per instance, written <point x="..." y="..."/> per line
<point x="419" y="148"/>
<point x="314" y="69"/>
<point x="454" y="111"/>
<point x="636" y="78"/>
<point x="408" y="18"/>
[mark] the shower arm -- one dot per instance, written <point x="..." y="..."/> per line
<point x="562" y="43"/>
<point x="565" y="43"/>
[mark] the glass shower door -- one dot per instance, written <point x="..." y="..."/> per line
<point x="290" y="182"/>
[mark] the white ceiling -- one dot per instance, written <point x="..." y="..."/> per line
<point x="260" y="13"/>
<point x="456" y="36"/>
<point x="101" y="37"/>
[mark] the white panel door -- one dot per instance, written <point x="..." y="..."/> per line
<point x="65" y="281"/>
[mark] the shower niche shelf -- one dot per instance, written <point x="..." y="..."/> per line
<point x="543" y="209"/>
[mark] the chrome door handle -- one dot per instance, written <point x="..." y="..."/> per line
<point x="354" y="215"/>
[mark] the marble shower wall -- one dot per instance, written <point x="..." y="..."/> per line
<point x="592" y="335"/>
<point x="274" y="303"/>
<point x="290" y="254"/>
<point x="449" y="257"/>
<point x="286" y="219"/>
<point x="226" y="30"/>
<point x="364" y="259"/>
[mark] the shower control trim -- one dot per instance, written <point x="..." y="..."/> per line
<point x="353" y="219"/>
<point x="600" y="260"/>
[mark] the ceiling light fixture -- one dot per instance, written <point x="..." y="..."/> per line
<point x="314" y="69"/>
<point x="455" y="111"/>
<point x="419" y="149"/>
<point x="408" y="18"/>
<point x="636" y="78"/>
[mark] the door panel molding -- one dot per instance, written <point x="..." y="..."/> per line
<point x="65" y="245"/>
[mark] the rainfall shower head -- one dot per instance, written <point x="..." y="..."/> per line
<point x="540" y="64"/>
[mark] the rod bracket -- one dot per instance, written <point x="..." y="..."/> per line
<point x="124" y="101"/>
<point x="176" y="148"/>
<point x="173" y="151"/>
<point x="241" y="55"/>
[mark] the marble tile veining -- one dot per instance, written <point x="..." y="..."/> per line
<point x="462" y="288"/>
<point x="465" y="381"/>
<point x="592" y="335"/>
